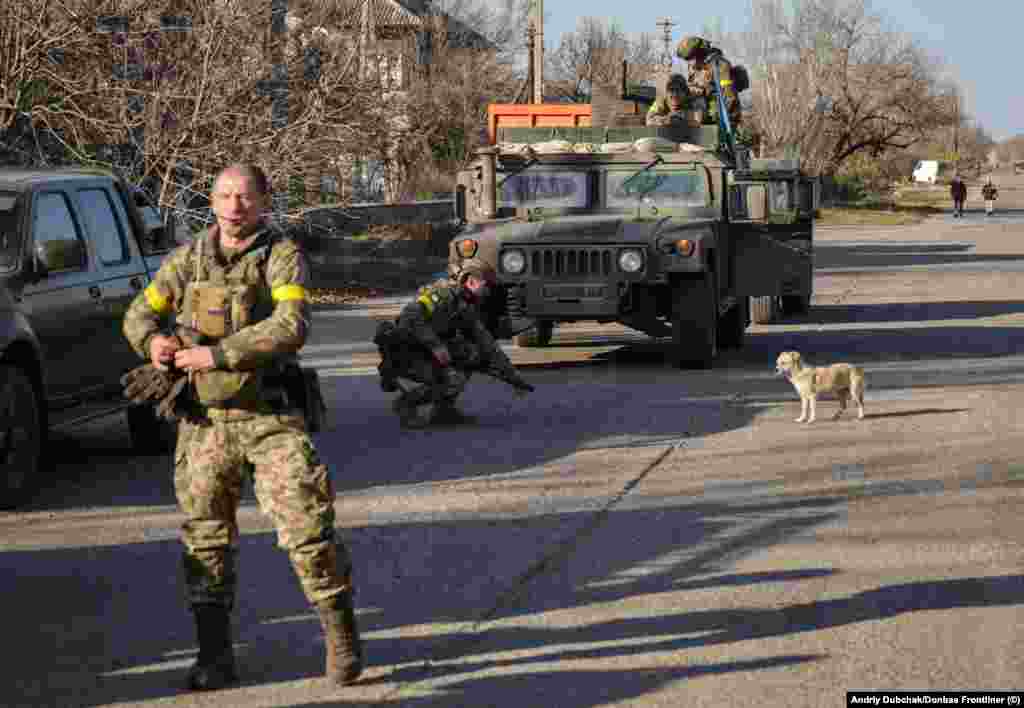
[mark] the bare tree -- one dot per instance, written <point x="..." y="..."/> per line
<point x="831" y="80"/>
<point x="593" y="55"/>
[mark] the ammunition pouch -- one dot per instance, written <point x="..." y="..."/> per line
<point x="218" y="311"/>
<point x="302" y="388"/>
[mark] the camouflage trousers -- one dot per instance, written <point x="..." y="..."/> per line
<point x="292" y="487"/>
<point x="440" y="383"/>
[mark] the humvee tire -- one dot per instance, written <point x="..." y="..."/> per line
<point x="694" y="321"/>
<point x="796" y="304"/>
<point x="732" y="326"/>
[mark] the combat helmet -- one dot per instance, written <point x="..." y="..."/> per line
<point x="691" y="47"/>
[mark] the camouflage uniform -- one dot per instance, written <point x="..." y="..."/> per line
<point x="661" y="113"/>
<point x="441" y="316"/>
<point x="251" y="432"/>
<point x="701" y="80"/>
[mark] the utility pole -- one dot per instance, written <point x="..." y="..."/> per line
<point x="531" y="40"/>
<point x="537" y="24"/>
<point x="665" y="24"/>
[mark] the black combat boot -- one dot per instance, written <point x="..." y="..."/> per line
<point x="215" y="665"/>
<point x="344" y="660"/>
<point x="448" y="413"/>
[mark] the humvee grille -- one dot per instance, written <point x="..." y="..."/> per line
<point x="572" y="262"/>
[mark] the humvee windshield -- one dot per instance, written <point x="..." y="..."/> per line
<point x="10" y="243"/>
<point x="678" y="188"/>
<point x="546" y="189"/>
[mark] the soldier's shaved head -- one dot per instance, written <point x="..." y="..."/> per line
<point x="246" y="170"/>
<point x="239" y="198"/>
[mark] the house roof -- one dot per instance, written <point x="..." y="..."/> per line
<point x="383" y="12"/>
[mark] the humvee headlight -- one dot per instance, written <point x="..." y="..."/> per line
<point x="467" y="247"/>
<point x="685" y="247"/>
<point x="513" y="262"/>
<point x="631" y="260"/>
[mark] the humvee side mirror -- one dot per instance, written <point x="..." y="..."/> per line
<point x="757" y="202"/>
<point x="460" y="203"/>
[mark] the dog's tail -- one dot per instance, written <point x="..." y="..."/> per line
<point x="857" y="384"/>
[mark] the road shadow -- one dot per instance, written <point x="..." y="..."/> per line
<point x="828" y="256"/>
<point x="906" y="312"/>
<point x="571" y="688"/>
<point x="106" y="624"/>
<point x="913" y="413"/>
<point x="633" y="398"/>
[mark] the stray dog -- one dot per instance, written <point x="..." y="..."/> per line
<point x="844" y="380"/>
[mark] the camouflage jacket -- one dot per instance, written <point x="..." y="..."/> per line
<point x="439" y="313"/>
<point x="276" y="266"/>
<point x="661" y="113"/>
<point x="702" y="81"/>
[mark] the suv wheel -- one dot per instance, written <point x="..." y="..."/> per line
<point x="150" y="435"/>
<point x="21" y="436"/>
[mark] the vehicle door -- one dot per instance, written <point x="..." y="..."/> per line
<point x="122" y="273"/>
<point x="771" y="224"/>
<point x="64" y="304"/>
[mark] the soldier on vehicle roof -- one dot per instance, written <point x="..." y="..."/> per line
<point x="673" y="106"/>
<point x="699" y="52"/>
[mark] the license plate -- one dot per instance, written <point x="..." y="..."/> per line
<point x="573" y="291"/>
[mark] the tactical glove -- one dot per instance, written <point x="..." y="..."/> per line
<point x="145" y="384"/>
<point x="176" y="402"/>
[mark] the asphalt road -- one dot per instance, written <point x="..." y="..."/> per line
<point x="628" y="535"/>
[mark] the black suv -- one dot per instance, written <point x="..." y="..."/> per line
<point x="76" y="246"/>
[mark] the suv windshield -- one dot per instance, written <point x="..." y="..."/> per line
<point x="678" y="188"/>
<point x="10" y="241"/>
<point x="546" y="189"/>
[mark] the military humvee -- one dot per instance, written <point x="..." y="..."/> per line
<point x="657" y="228"/>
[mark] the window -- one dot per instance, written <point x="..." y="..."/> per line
<point x="555" y="190"/>
<point x="10" y="238"/>
<point x="57" y="240"/>
<point x="659" y="189"/>
<point x="104" y="225"/>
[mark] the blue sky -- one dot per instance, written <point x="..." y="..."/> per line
<point x="981" y="43"/>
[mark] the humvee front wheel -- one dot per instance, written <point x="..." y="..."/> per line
<point x="732" y="326"/>
<point x="694" y="321"/>
<point x="796" y="304"/>
<point x="537" y="336"/>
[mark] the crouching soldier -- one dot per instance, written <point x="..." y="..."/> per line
<point x="438" y="341"/>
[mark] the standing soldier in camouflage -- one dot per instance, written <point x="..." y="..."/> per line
<point x="673" y="106"/>
<point x="698" y="51"/>
<point x="438" y="341"/>
<point x="241" y="290"/>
